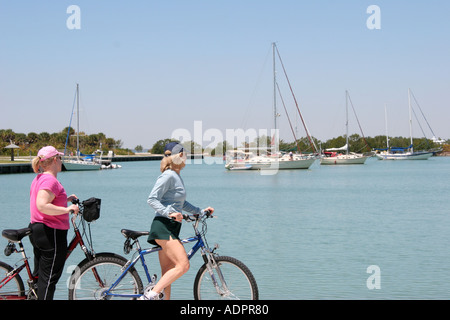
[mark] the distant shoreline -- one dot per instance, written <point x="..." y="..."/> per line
<point x="23" y="164"/>
<point x="443" y="154"/>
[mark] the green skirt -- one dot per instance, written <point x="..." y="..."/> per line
<point x="163" y="229"/>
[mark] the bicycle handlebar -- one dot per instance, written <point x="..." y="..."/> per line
<point x="74" y="201"/>
<point x="197" y="216"/>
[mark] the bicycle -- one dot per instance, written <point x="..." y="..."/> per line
<point x="220" y="277"/>
<point x="11" y="283"/>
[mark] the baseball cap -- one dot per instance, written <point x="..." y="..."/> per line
<point x="173" y="147"/>
<point x="48" y="152"/>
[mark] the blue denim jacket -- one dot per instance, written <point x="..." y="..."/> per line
<point x="169" y="195"/>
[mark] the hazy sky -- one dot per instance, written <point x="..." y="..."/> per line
<point x="147" y="68"/>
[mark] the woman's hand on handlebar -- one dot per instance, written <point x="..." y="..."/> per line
<point x="72" y="198"/>
<point x="73" y="208"/>
<point x="210" y="210"/>
<point x="177" y="216"/>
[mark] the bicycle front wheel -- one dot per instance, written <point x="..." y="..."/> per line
<point x="94" y="280"/>
<point x="228" y="279"/>
<point x="10" y="289"/>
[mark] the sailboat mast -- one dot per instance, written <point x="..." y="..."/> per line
<point x="386" y="126"/>
<point x="78" y="121"/>
<point x="410" y="119"/>
<point x="346" y="121"/>
<point x="274" y="88"/>
<point x="311" y="141"/>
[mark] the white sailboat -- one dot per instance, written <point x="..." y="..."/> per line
<point x="80" y="163"/>
<point x="332" y="155"/>
<point x="407" y="153"/>
<point x="246" y="160"/>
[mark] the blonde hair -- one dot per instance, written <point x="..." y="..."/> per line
<point x="40" y="166"/>
<point x="173" y="162"/>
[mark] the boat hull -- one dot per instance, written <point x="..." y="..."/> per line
<point x="343" y="160"/>
<point x="72" y="165"/>
<point x="405" y="156"/>
<point x="271" y="164"/>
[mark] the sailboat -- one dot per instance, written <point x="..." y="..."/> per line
<point x="81" y="162"/>
<point x="407" y="153"/>
<point x="332" y="155"/>
<point x="244" y="159"/>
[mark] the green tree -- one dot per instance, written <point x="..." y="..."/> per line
<point x="192" y="147"/>
<point x="44" y="136"/>
<point x="32" y="137"/>
<point x="7" y="135"/>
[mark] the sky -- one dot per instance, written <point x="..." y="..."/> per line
<point x="147" y="69"/>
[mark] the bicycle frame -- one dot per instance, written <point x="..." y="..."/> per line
<point x="122" y="279"/>
<point x="76" y="240"/>
<point x="16" y="271"/>
<point x="143" y="252"/>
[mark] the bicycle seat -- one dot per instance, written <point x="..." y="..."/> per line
<point x="16" y="235"/>
<point x="133" y="234"/>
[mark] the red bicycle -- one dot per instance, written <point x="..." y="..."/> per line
<point x="11" y="284"/>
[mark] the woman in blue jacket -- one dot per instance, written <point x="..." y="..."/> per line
<point x="168" y="199"/>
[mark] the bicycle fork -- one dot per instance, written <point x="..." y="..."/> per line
<point x="211" y="264"/>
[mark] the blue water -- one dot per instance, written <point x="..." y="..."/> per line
<point x="305" y="234"/>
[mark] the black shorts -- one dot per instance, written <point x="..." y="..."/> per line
<point x="164" y="229"/>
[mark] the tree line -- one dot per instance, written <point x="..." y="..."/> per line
<point x="359" y="144"/>
<point x="304" y="145"/>
<point x="30" y="143"/>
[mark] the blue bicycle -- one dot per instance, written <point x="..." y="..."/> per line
<point x="114" y="277"/>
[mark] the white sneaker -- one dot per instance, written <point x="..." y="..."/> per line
<point x="152" y="295"/>
<point x="149" y="294"/>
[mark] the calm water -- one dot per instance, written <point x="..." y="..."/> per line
<point x="305" y="234"/>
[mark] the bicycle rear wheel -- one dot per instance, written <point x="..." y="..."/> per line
<point x="10" y="289"/>
<point x="94" y="279"/>
<point x="234" y="281"/>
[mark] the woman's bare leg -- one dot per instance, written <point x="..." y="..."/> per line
<point x="174" y="263"/>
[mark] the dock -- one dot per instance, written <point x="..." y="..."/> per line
<point x="20" y="167"/>
<point x="24" y="166"/>
<point x="138" y="157"/>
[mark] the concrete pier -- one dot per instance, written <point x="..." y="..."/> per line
<point x="146" y="157"/>
<point x="25" y="166"/>
<point x="21" y="167"/>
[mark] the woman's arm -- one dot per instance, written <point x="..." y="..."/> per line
<point x="44" y="204"/>
<point x="191" y="208"/>
<point x="154" y="199"/>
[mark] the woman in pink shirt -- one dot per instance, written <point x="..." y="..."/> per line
<point x="49" y="221"/>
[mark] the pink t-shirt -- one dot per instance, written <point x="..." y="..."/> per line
<point x="49" y="182"/>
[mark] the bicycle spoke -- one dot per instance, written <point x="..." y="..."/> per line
<point x="95" y="281"/>
<point x="11" y="286"/>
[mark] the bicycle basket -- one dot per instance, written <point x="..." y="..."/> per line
<point x="91" y="209"/>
